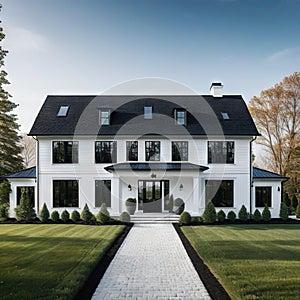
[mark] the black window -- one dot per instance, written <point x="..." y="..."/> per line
<point x="148" y="112"/>
<point x="132" y="151"/>
<point x="180" y="117"/>
<point x="220" y="152"/>
<point x="180" y="151"/>
<point x="105" y="152"/>
<point x="220" y="192"/>
<point x="29" y="190"/>
<point x="152" y="151"/>
<point x="65" y="152"/>
<point x="104" y="116"/>
<point x="263" y="196"/>
<point x="102" y="192"/>
<point x="65" y="193"/>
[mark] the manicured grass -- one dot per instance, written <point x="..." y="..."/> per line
<point x="251" y="261"/>
<point x="49" y="261"/>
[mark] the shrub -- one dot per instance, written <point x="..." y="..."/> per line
<point x="209" y="215"/>
<point x="298" y="211"/>
<point x="103" y="215"/>
<point x="286" y="199"/>
<point x="284" y="211"/>
<point x="294" y="202"/>
<point x="197" y="220"/>
<point x="266" y="214"/>
<point x="178" y="206"/>
<point x="243" y="215"/>
<point x="130" y="202"/>
<point x="86" y="215"/>
<point x="44" y="214"/>
<point x="4" y="212"/>
<point x="257" y="216"/>
<point x="55" y="216"/>
<point x="65" y="216"/>
<point x="125" y="217"/>
<point x="231" y="216"/>
<point x="5" y="190"/>
<point x="75" y="216"/>
<point x="25" y="211"/>
<point x="185" y="218"/>
<point x="221" y="216"/>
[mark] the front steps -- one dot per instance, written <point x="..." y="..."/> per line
<point x="152" y="218"/>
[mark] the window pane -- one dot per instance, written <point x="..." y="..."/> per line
<point x="221" y="152"/>
<point x="65" y="152"/>
<point x="148" y="112"/>
<point x="65" y="193"/>
<point x="102" y="192"/>
<point x="180" y="117"/>
<point x="104" y="117"/>
<point x="263" y="195"/>
<point x="179" y="151"/>
<point x="30" y="192"/>
<point x="105" y="152"/>
<point x="152" y="150"/>
<point x="132" y="151"/>
<point x="220" y="192"/>
<point x="63" y="111"/>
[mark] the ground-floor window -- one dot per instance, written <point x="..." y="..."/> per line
<point x="263" y="196"/>
<point x="220" y="192"/>
<point x="103" y="192"/>
<point x="65" y="193"/>
<point x="26" y="189"/>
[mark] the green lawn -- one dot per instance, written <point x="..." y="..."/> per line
<point x="251" y="261"/>
<point x="49" y="261"/>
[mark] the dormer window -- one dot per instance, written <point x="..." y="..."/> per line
<point x="63" y="111"/>
<point x="147" y="112"/>
<point x="225" y="115"/>
<point x="180" y="116"/>
<point x="104" y="116"/>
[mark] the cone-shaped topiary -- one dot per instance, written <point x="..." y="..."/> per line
<point x="231" y="216"/>
<point x="266" y="214"/>
<point x="4" y="212"/>
<point x="44" y="214"/>
<point x="185" y="218"/>
<point x="125" y="217"/>
<point x="257" y="216"/>
<point x="209" y="215"/>
<point x="25" y="211"/>
<point x="75" y="216"/>
<point x="221" y="216"/>
<point x="86" y="215"/>
<point x="284" y="211"/>
<point x="65" y="216"/>
<point x="55" y="216"/>
<point x="103" y="215"/>
<point x="243" y="215"/>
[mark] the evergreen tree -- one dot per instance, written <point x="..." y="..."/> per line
<point x="284" y="211"/>
<point x="25" y="211"/>
<point x="210" y="214"/>
<point x="44" y="214"/>
<point x="294" y="202"/>
<point x="10" y="149"/>
<point x="266" y="214"/>
<point x="5" y="190"/>
<point x="243" y="215"/>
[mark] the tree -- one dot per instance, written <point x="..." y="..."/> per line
<point x="25" y="211"/>
<point x="5" y="190"/>
<point x="276" y="115"/>
<point x="243" y="215"/>
<point x="284" y="211"/>
<point x="28" y="153"/>
<point x="10" y="149"/>
<point x="210" y="214"/>
<point x="44" y="214"/>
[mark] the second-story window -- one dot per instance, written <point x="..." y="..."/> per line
<point x="152" y="151"/>
<point x="180" y="151"/>
<point x="65" y="152"/>
<point x="104" y="116"/>
<point x="180" y="117"/>
<point x="220" y="152"/>
<point x="132" y="150"/>
<point x="105" y="152"/>
<point x="148" y="112"/>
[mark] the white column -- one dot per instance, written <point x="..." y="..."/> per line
<point x="116" y="195"/>
<point x="196" y="195"/>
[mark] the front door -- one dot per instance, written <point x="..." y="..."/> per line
<point x="150" y="196"/>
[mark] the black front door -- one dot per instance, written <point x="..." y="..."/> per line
<point x="150" y="196"/>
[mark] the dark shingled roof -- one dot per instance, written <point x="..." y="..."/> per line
<point x="263" y="174"/>
<point x="203" y="116"/>
<point x="155" y="167"/>
<point x="27" y="173"/>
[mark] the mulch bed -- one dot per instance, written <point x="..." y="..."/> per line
<point x="87" y="291"/>
<point x="213" y="286"/>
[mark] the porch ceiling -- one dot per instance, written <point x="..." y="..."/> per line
<point x="142" y="166"/>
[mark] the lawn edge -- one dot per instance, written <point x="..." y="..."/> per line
<point x="211" y="283"/>
<point x="93" y="280"/>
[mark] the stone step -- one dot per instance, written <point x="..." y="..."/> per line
<point x="154" y="218"/>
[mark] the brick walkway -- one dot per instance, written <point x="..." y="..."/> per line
<point x="151" y="264"/>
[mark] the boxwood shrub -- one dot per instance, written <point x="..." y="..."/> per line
<point x="231" y="216"/>
<point x="221" y="216"/>
<point x="185" y="218"/>
<point x="266" y="214"/>
<point x="257" y="216"/>
<point x="209" y="215"/>
<point x="44" y="214"/>
<point x="65" y="216"/>
<point x="75" y="216"/>
<point x="55" y="216"/>
<point x="103" y="215"/>
<point x="243" y="215"/>
<point x="124" y="217"/>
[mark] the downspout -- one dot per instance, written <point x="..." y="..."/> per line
<point x="37" y="159"/>
<point x="251" y="176"/>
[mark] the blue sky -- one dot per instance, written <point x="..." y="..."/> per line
<point x="85" y="47"/>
